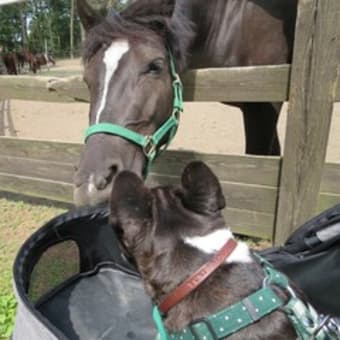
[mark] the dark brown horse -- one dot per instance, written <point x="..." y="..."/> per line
<point x="26" y="56"/>
<point x="11" y="63"/>
<point x="128" y="75"/>
<point x="42" y="59"/>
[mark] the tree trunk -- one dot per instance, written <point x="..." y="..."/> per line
<point x="23" y="27"/>
<point x="72" y="30"/>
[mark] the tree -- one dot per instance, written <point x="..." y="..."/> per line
<point x="72" y="30"/>
<point x="23" y="19"/>
<point x="35" y="22"/>
<point x="10" y="23"/>
<point x="52" y="21"/>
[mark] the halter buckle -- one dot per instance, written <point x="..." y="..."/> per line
<point x="177" y="80"/>
<point x="149" y="148"/>
<point x="176" y="114"/>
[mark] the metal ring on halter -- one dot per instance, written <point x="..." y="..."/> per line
<point x="267" y="282"/>
<point x="149" y="148"/>
<point x="176" y="113"/>
<point x="177" y="79"/>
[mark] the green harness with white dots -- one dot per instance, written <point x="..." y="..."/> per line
<point x="306" y="321"/>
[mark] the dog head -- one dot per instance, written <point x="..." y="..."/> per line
<point x="153" y="224"/>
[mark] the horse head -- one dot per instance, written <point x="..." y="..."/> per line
<point x="127" y="69"/>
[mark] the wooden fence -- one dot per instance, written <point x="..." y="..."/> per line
<point x="266" y="196"/>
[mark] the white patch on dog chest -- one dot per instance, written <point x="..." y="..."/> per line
<point x="111" y="60"/>
<point x="214" y="241"/>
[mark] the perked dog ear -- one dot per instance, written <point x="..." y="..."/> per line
<point x="131" y="204"/>
<point x="202" y="190"/>
<point x="89" y="17"/>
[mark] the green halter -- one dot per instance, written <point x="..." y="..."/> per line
<point x="307" y="323"/>
<point x="150" y="144"/>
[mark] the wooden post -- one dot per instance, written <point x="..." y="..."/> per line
<point x="312" y="93"/>
<point x="2" y="117"/>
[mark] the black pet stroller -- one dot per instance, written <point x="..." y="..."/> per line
<point x="73" y="282"/>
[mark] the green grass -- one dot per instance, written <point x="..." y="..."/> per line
<point x="18" y="220"/>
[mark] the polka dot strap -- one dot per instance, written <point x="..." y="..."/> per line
<point x="232" y="319"/>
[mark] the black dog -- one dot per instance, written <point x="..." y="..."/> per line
<point x="170" y="232"/>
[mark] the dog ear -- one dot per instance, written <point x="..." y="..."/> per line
<point x="131" y="204"/>
<point x="202" y="190"/>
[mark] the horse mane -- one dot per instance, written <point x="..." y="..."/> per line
<point x="137" y="20"/>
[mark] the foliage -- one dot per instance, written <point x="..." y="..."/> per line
<point x="7" y="314"/>
<point x="45" y="22"/>
<point x="10" y="32"/>
<point x="50" y="22"/>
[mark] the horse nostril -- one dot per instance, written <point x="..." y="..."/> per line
<point x="100" y="183"/>
<point x="112" y="173"/>
<point x="114" y="169"/>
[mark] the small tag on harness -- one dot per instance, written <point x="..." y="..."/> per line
<point x="252" y="310"/>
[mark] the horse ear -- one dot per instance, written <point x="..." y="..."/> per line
<point x="131" y="204"/>
<point x="202" y="190"/>
<point x="89" y="17"/>
<point x="148" y="8"/>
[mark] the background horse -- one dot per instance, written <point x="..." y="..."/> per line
<point x="26" y="56"/>
<point x="41" y="59"/>
<point x="11" y="63"/>
<point x="127" y="72"/>
<point x="35" y="61"/>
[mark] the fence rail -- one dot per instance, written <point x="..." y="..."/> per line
<point x="236" y="84"/>
<point x="250" y="184"/>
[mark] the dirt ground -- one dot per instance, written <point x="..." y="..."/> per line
<point x="205" y="127"/>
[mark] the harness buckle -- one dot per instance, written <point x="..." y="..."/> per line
<point x="328" y="325"/>
<point x="149" y="148"/>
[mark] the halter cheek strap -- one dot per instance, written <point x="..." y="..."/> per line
<point x="150" y="144"/>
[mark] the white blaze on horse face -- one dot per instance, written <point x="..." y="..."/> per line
<point x="91" y="186"/>
<point x="111" y="60"/>
<point x="214" y="242"/>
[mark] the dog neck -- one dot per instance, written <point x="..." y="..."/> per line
<point x="213" y="242"/>
<point x="215" y="293"/>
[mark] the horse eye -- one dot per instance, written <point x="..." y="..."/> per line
<point x="155" y="67"/>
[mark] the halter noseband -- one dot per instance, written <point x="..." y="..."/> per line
<point x="150" y="144"/>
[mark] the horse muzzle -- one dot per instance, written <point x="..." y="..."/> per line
<point x="103" y="157"/>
